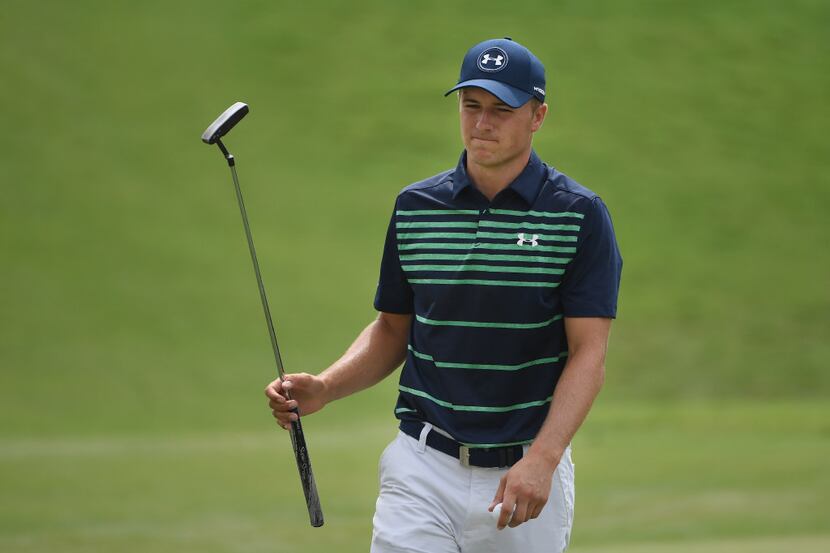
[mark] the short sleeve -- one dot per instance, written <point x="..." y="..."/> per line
<point x="394" y="294"/>
<point x="592" y="280"/>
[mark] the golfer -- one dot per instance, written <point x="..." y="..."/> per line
<point x="497" y="288"/>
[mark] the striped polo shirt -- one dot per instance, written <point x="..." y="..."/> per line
<point x="489" y="284"/>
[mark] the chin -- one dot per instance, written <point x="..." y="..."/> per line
<point x="486" y="160"/>
<point x="478" y="156"/>
<point x="480" y="152"/>
<point x="484" y="151"/>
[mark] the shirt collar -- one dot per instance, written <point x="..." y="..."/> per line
<point x="526" y="185"/>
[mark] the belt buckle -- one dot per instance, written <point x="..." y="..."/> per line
<point x="464" y="455"/>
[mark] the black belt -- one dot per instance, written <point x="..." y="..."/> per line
<point x="469" y="456"/>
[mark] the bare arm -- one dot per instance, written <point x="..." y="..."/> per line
<point x="527" y="484"/>
<point x="376" y="352"/>
<point x="579" y="384"/>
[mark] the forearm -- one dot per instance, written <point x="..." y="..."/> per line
<point x="578" y="385"/>
<point x="376" y="353"/>
<point x="525" y="488"/>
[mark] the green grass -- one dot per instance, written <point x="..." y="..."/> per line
<point x="126" y="264"/>
<point x="683" y="477"/>
<point x="809" y="544"/>
<point x="132" y="350"/>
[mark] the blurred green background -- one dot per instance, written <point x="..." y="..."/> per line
<point x="132" y="348"/>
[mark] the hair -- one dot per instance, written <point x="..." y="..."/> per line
<point x="534" y="101"/>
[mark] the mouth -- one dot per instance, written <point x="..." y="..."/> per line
<point x="484" y="139"/>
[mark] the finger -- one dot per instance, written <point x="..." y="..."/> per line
<point x="277" y="400"/>
<point x="536" y="510"/>
<point x="279" y="420"/>
<point x="499" y="494"/>
<point x="274" y="390"/>
<point x="519" y="515"/>
<point x="284" y="417"/>
<point x="297" y="381"/>
<point x="282" y="405"/>
<point x="507" y="507"/>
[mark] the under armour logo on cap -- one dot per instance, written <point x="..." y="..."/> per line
<point x="487" y="59"/>
<point x="492" y="60"/>
<point x="505" y="69"/>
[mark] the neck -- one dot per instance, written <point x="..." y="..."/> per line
<point x="492" y="179"/>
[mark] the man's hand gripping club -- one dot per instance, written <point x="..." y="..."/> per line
<point x="308" y="393"/>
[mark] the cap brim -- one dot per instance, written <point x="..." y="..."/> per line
<point x="511" y="96"/>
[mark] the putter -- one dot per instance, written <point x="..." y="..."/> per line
<point x="212" y="135"/>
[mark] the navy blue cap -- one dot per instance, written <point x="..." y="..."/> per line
<point x="505" y="69"/>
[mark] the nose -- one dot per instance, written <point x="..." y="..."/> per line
<point x="484" y="120"/>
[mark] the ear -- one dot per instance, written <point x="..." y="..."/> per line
<point x="538" y="117"/>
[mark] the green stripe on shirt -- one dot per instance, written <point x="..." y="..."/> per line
<point x="414" y="235"/>
<point x="537" y="213"/>
<point x="485" y="269"/>
<point x="483" y="246"/>
<point x="481" y="324"/>
<point x="433" y="224"/>
<point x="484" y="234"/>
<point x="488" y="367"/>
<point x="530" y="226"/>
<point x="476" y="408"/>
<point x="482" y="282"/>
<point x="483" y="257"/>
<point x="414" y="212"/>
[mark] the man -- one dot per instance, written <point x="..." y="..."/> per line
<point x="497" y="288"/>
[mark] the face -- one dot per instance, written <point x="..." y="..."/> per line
<point x="495" y="134"/>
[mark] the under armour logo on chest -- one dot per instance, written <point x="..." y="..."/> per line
<point x="486" y="59"/>
<point x="533" y="240"/>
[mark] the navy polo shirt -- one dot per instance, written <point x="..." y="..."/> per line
<point x="489" y="283"/>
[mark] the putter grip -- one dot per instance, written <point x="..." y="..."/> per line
<point x="312" y="498"/>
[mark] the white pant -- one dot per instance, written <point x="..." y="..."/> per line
<point x="430" y="503"/>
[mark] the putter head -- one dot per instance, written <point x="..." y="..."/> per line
<point x="225" y="122"/>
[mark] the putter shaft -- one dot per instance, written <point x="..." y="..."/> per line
<point x="298" y="443"/>
<point x="271" y="332"/>
<point x="315" y="511"/>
